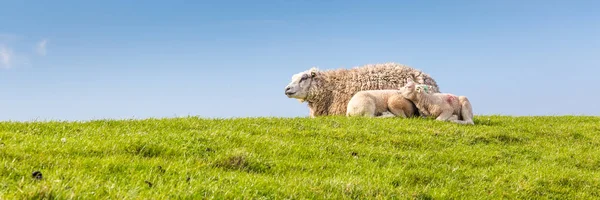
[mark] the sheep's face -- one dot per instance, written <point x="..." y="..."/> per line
<point x="300" y="84"/>
<point x="412" y="90"/>
<point x="409" y="90"/>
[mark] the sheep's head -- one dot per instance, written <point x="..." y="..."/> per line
<point x="423" y="88"/>
<point x="411" y="89"/>
<point x="300" y="85"/>
<point x="408" y="91"/>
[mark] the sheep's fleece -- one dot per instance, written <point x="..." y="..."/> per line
<point x="442" y="106"/>
<point x="381" y="103"/>
<point x="328" y="92"/>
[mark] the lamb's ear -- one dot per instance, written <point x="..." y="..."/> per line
<point x="409" y="83"/>
<point x="431" y="88"/>
<point x="426" y="88"/>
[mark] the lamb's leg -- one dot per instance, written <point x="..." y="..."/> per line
<point x="368" y="112"/>
<point x="445" y="116"/>
<point x="386" y="114"/>
<point x="364" y="107"/>
<point x="400" y="106"/>
<point x="463" y="122"/>
<point x="400" y="114"/>
<point x="453" y="117"/>
<point x="424" y="113"/>
<point x="466" y="111"/>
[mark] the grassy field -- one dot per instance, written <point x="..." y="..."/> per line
<point x="299" y="158"/>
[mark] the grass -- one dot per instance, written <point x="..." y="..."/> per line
<point x="554" y="157"/>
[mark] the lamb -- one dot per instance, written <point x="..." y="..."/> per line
<point x="328" y="92"/>
<point x="442" y="106"/>
<point x="380" y="103"/>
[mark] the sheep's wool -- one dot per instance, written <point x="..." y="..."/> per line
<point x="331" y="90"/>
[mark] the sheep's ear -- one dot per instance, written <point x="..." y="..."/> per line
<point x="422" y="87"/>
<point x="313" y="71"/>
<point x="431" y="88"/>
<point x="409" y="84"/>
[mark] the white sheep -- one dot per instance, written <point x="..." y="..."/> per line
<point x="380" y="103"/>
<point x="442" y="106"/>
<point x="328" y="92"/>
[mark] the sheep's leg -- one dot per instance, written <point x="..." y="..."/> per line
<point x="424" y="113"/>
<point x="445" y="116"/>
<point x="361" y="107"/>
<point x="453" y="117"/>
<point x="466" y="111"/>
<point x="366" y="113"/>
<point x="369" y="110"/>
<point x="403" y="115"/>
<point x="400" y="106"/>
<point x="386" y="114"/>
<point x="462" y="122"/>
<point x="400" y="114"/>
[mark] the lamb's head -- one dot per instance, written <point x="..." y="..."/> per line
<point x="411" y="90"/>
<point x="300" y="85"/>
<point x="408" y="90"/>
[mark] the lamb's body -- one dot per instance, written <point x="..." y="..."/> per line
<point x="328" y="92"/>
<point x="380" y="103"/>
<point x="442" y="106"/>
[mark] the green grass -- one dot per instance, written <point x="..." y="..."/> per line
<point x="299" y="158"/>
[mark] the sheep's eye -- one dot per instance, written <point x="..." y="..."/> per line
<point x="304" y="77"/>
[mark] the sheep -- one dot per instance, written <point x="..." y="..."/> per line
<point x="328" y="92"/>
<point x="442" y="106"/>
<point x="380" y="103"/>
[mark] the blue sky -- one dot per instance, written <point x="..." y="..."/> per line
<point x="82" y="60"/>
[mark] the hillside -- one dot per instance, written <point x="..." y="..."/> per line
<point x="298" y="158"/>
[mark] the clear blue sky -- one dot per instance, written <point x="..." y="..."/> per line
<point x="82" y="60"/>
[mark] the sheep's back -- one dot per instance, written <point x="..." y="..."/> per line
<point x="347" y="82"/>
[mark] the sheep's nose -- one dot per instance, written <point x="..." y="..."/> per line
<point x="287" y="90"/>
